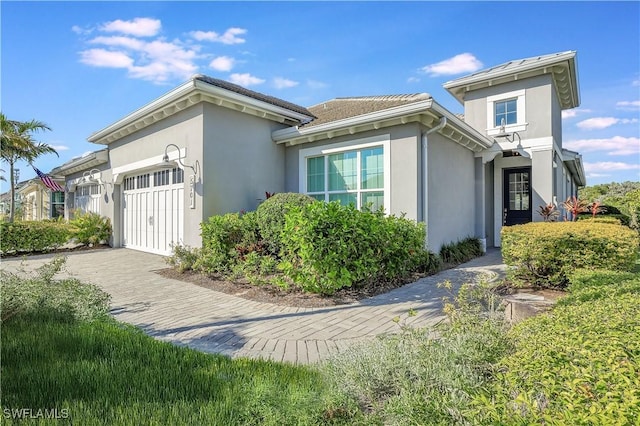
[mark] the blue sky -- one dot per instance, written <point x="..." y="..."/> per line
<point x="80" y="66"/>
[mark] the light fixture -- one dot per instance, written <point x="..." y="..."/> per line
<point x="172" y="163"/>
<point x="510" y="137"/>
<point x="88" y="178"/>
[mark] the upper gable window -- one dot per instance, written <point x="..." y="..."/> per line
<point x="506" y="112"/>
<point x="508" y="109"/>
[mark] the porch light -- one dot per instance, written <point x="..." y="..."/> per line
<point x="510" y="137"/>
<point x="171" y="164"/>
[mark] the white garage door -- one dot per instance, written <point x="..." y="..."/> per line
<point x="153" y="209"/>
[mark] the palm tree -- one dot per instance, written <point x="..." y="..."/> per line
<point x="17" y="143"/>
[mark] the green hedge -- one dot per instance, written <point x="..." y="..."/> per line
<point x="546" y="254"/>
<point x="226" y="238"/>
<point x="33" y="236"/>
<point x="270" y="217"/>
<point x="91" y="228"/>
<point x="576" y="365"/>
<point x="327" y="246"/>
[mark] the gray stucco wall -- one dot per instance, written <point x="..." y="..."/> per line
<point x="539" y="96"/>
<point x="451" y="195"/>
<point x="183" y="129"/>
<point x="241" y="161"/>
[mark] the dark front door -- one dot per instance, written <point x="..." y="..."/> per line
<point x="516" y="207"/>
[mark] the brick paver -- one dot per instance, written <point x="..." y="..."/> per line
<point x="193" y="316"/>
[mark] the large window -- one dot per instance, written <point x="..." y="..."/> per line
<point x="355" y="174"/>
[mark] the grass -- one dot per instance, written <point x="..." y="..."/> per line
<point x="104" y="372"/>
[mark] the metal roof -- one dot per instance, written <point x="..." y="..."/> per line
<point x="561" y="65"/>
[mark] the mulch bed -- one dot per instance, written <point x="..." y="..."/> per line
<point x="268" y="293"/>
<point x="57" y="251"/>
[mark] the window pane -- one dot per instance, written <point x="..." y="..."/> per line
<point x="501" y="107"/>
<point x="343" y="171"/>
<point x="319" y="197"/>
<point x="372" y="168"/>
<point x="315" y="174"/>
<point x="372" y="200"/>
<point x="345" y="199"/>
<point x="507" y="111"/>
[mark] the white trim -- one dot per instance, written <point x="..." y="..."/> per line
<point x="358" y="144"/>
<point x="520" y="125"/>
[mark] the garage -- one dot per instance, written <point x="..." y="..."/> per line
<point x="153" y="209"/>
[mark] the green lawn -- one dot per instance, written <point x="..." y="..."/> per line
<point x="104" y="372"/>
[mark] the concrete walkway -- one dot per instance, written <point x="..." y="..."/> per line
<point x="193" y="316"/>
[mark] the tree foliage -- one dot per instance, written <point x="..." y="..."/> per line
<point x="17" y="143"/>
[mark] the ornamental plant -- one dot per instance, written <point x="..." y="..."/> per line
<point x="575" y="206"/>
<point x="549" y="212"/>
<point x="545" y="254"/>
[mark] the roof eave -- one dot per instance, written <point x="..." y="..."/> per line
<point x="573" y="160"/>
<point x="427" y="112"/>
<point x="457" y="88"/>
<point x="83" y="163"/>
<point x="186" y="95"/>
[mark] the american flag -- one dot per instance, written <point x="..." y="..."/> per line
<point x="48" y="182"/>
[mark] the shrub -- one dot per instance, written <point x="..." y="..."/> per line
<point x="545" y="254"/>
<point x="619" y="219"/>
<point x="327" y="246"/>
<point x="183" y="258"/>
<point x="270" y="217"/>
<point x="462" y="251"/>
<point x="39" y="293"/>
<point x="225" y="239"/>
<point x="91" y="228"/>
<point x="575" y="365"/>
<point x="34" y="236"/>
<point x="586" y="285"/>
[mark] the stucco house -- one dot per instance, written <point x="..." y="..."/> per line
<point x="209" y="147"/>
<point x="34" y="201"/>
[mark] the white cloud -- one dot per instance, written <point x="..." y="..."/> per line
<point x="105" y="58"/>
<point x="284" y="83"/>
<point x="59" y="147"/>
<point x="229" y="37"/>
<point x="609" y="166"/>
<point x="570" y="113"/>
<point x="597" y="175"/>
<point x="413" y="80"/>
<point x="617" y="145"/>
<point x="81" y="31"/>
<point x="155" y="60"/>
<point x="635" y="82"/>
<point x="604" y="122"/>
<point x="139" y="27"/>
<point x="222" y="63"/>
<point x="628" y="105"/>
<point x="464" y="62"/>
<point x="245" y="79"/>
<point x="314" y="84"/>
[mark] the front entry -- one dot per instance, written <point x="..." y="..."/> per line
<point x="516" y="208"/>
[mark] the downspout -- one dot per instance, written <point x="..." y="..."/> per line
<point x="425" y="177"/>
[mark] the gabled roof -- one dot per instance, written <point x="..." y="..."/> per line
<point x="561" y="65"/>
<point x="347" y="116"/>
<point x="82" y="163"/>
<point x="198" y="89"/>
<point x="251" y="94"/>
<point x="341" y="108"/>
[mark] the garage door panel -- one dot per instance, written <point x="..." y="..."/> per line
<point x="153" y="217"/>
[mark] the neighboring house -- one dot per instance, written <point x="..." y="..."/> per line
<point x="85" y="188"/>
<point x="37" y="202"/>
<point x="210" y="147"/>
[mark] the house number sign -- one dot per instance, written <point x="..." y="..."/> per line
<point x="192" y="192"/>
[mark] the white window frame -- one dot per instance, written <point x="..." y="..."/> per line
<point x="520" y="125"/>
<point x="383" y="141"/>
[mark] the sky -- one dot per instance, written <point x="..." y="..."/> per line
<point x="80" y="66"/>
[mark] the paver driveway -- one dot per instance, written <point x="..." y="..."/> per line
<point x="211" y="321"/>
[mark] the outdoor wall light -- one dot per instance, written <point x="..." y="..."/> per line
<point x="88" y="178"/>
<point x="171" y="164"/>
<point x="510" y="137"/>
<point x="192" y="179"/>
